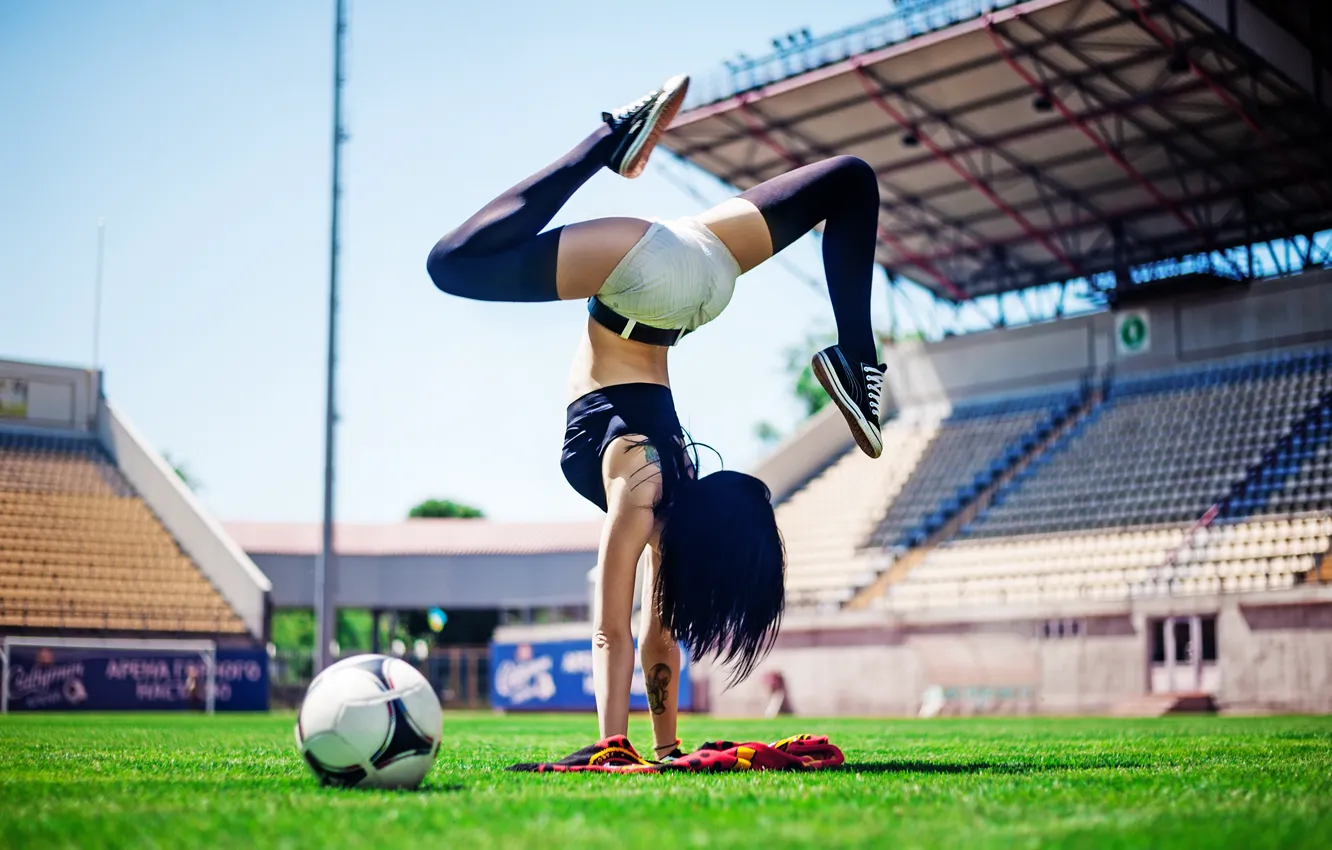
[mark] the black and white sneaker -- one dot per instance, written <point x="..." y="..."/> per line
<point x="640" y="124"/>
<point x="856" y="389"/>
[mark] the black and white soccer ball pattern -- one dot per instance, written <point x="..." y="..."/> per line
<point x="369" y="721"/>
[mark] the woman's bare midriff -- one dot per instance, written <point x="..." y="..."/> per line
<point x="604" y="359"/>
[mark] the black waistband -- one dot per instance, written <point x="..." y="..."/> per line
<point x="631" y="328"/>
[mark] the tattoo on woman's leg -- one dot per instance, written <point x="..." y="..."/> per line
<point x="658" y="686"/>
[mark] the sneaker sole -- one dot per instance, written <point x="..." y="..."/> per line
<point x="861" y="429"/>
<point x="662" y="114"/>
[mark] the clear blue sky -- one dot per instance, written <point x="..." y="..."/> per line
<point x="200" y="132"/>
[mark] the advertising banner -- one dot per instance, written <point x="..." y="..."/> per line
<point x="557" y="676"/>
<point x="67" y="679"/>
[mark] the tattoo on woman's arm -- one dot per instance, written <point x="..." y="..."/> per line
<point x="651" y="470"/>
<point x="658" y="686"/>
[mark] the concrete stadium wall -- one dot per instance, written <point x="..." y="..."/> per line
<point x="201" y="537"/>
<point x="420" y="581"/>
<point x="1091" y="674"/>
<point x="59" y="397"/>
<point x="1274" y="654"/>
<point x="1268" y="316"/>
<point x="1274" y="315"/>
<point x="989" y="364"/>
<point x="1276" y="657"/>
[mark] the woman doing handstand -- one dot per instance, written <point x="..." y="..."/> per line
<point x="715" y="565"/>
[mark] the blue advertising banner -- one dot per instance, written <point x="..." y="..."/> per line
<point x="557" y="676"/>
<point x="68" y="679"/>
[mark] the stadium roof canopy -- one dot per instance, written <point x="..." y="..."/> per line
<point x="1018" y="144"/>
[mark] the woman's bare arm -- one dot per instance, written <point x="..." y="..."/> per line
<point x="661" y="665"/>
<point x="633" y="485"/>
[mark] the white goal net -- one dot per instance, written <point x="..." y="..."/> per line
<point x="107" y="674"/>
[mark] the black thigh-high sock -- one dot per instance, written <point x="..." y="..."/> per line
<point x="500" y="253"/>
<point x="842" y="192"/>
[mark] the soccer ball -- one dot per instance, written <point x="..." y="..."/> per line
<point x="369" y="721"/>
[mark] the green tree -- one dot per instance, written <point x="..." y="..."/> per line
<point x="807" y="390"/>
<point x="809" y="394"/>
<point x="183" y="472"/>
<point x="444" y="509"/>
<point x="293" y="629"/>
<point x="767" y="433"/>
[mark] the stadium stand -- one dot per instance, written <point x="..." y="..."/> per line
<point x="80" y="550"/>
<point x="1162" y="449"/>
<point x="1106" y="512"/>
<point x="99" y="537"/>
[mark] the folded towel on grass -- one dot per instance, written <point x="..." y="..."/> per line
<point x="616" y="755"/>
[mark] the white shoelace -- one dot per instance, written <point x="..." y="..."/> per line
<point x="874" y="382"/>
<point x="622" y="114"/>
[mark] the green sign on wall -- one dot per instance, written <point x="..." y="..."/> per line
<point x="1133" y="332"/>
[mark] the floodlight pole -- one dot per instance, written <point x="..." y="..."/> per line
<point x="97" y="297"/>
<point x="4" y="677"/>
<point x="325" y="565"/>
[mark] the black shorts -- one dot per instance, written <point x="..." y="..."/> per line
<point x="602" y="416"/>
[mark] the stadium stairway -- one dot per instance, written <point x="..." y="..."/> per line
<point x="978" y="499"/>
<point x="1159" y="705"/>
<point x="1323" y="572"/>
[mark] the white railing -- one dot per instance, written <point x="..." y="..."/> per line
<point x="801" y="52"/>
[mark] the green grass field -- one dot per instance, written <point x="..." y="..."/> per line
<point x="236" y="781"/>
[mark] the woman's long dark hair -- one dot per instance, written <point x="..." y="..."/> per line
<point x="721" y="584"/>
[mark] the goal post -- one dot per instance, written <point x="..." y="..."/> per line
<point x="59" y="673"/>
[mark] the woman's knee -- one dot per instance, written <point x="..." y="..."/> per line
<point x="856" y="170"/>
<point x="852" y="165"/>
<point x="857" y="176"/>
<point x="442" y="267"/>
